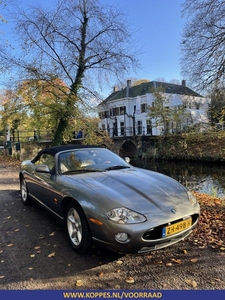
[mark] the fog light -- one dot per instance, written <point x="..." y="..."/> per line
<point x="121" y="237"/>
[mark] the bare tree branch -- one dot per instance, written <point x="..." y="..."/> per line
<point x="203" y="43"/>
<point x="73" y="41"/>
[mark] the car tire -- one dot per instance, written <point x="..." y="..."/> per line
<point x="77" y="229"/>
<point x="24" y="192"/>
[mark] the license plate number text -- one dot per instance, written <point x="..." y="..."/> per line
<point x="176" y="227"/>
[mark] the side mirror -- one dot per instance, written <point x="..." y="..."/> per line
<point x="42" y="169"/>
<point x="127" y="159"/>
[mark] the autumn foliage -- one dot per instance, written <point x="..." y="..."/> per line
<point x="210" y="229"/>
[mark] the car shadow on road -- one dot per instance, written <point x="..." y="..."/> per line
<point x="35" y="245"/>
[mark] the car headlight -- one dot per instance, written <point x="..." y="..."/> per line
<point x="125" y="216"/>
<point x="192" y="199"/>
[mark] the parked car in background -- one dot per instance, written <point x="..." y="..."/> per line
<point x="102" y="199"/>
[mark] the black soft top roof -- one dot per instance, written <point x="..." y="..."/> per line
<point x="55" y="149"/>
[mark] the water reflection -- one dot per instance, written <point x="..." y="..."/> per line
<point x="208" y="178"/>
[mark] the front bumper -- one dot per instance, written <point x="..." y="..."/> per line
<point x="136" y="242"/>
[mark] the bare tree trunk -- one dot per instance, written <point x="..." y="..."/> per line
<point x="72" y="39"/>
<point x="63" y="122"/>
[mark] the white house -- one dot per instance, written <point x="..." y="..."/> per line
<point x="125" y="111"/>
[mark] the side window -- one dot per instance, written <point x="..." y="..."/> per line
<point x="46" y="159"/>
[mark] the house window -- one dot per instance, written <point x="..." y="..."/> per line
<point x="122" y="110"/>
<point x="139" y="127"/>
<point x="167" y="127"/>
<point x="108" y="129"/>
<point x="101" y="115"/>
<point x="103" y="126"/>
<point x="148" y="127"/>
<point x="107" y="114"/>
<point x="115" y="130"/>
<point x="115" y="111"/>
<point x="144" y="107"/>
<point x="121" y="128"/>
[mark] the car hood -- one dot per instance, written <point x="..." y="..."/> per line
<point x="137" y="189"/>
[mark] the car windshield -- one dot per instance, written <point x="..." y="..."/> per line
<point x="90" y="160"/>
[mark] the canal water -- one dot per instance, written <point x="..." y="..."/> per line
<point x="207" y="178"/>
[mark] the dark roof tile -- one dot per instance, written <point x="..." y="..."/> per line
<point x="148" y="87"/>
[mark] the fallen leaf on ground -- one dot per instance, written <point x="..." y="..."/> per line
<point x="117" y="287"/>
<point x="210" y="230"/>
<point x="130" y="280"/>
<point x="169" y="264"/>
<point x="79" y="282"/>
<point x="51" y="254"/>
<point x="177" y="261"/>
<point x="191" y="282"/>
<point x="156" y="262"/>
<point x="37" y="247"/>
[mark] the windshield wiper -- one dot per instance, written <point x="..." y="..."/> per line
<point x="118" y="167"/>
<point x="80" y="171"/>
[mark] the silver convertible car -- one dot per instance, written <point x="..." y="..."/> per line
<point x="103" y="199"/>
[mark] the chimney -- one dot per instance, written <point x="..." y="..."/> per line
<point x="128" y="88"/>
<point x="115" y="89"/>
<point x="183" y="82"/>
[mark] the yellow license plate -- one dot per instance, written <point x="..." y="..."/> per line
<point x="176" y="227"/>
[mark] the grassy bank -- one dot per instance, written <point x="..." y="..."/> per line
<point x="193" y="146"/>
